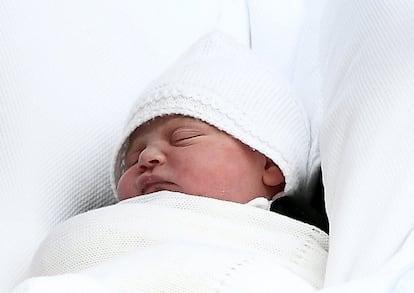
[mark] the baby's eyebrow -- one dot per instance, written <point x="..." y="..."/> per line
<point x="195" y="123"/>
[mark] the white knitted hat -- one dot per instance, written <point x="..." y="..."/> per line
<point x="226" y="85"/>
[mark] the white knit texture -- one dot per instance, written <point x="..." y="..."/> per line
<point x="222" y="82"/>
<point x="367" y="135"/>
<point x="235" y="233"/>
<point x="180" y="268"/>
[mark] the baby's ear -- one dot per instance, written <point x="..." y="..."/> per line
<point x="272" y="175"/>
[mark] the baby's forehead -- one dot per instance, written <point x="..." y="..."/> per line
<point x="160" y="123"/>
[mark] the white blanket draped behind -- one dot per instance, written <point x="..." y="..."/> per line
<point x="367" y="142"/>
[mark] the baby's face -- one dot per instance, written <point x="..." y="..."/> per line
<point x="184" y="154"/>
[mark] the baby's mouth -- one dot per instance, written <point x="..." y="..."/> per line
<point x="153" y="183"/>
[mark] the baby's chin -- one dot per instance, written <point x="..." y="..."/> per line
<point x="163" y="186"/>
<point x="174" y="188"/>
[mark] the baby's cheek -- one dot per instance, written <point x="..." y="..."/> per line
<point x="200" y="179"/>
<point x="126" y="186"/>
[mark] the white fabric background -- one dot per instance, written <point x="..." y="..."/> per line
<point x="367" y="140"/>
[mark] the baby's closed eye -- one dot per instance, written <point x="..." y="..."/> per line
<point x="183" y="136"/>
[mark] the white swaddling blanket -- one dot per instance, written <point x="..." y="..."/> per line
<point x="168" y="241"/>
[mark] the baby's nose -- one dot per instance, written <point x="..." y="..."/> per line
<point x="150" y="157"/>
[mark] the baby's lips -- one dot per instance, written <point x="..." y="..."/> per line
<point x="148" y="183"/>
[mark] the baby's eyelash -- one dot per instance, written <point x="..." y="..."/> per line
<point x="188" y="137"/>
<point x="180" y="136"/>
